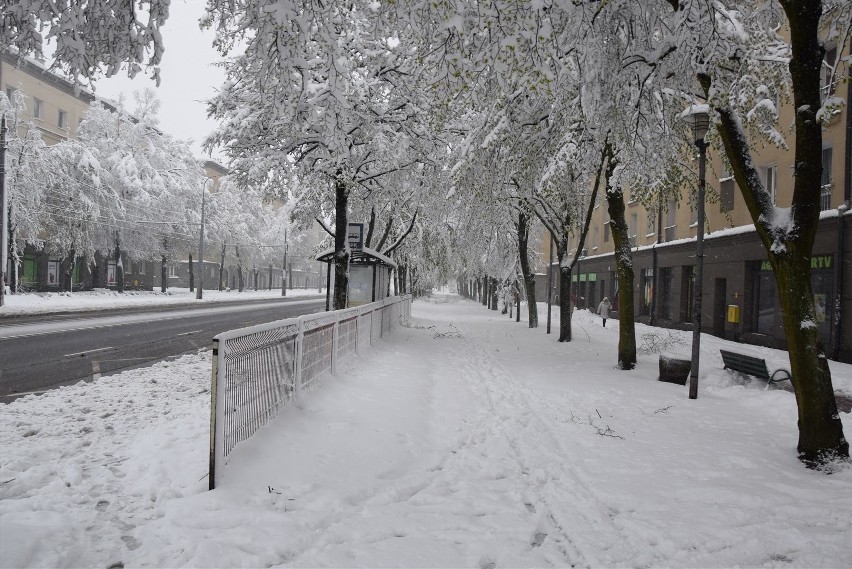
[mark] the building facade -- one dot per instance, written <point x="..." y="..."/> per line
<point x="740" y="299"/>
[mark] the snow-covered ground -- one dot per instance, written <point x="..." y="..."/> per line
<point x="464" y="440"/>
<point x="100" y="299"/>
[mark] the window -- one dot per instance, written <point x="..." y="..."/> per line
<point x="53" y="273"/>
<point x="111" y="273"/>
<point x="652" y="223"/>
<point x="671" y="216"/>
<point x="665" y="282"/>
<point x="647" y="291"/>
<point x="38" y="105"/>
<point x="634" y="222"/>
<point x="776" y="99"/>
<point x="769" y="181"/>
<point x="62" y="119"/>
<point x="173" y="272"/>
<point x="693" y="209"/>
<point x="9" y="92"/>
<point x="606" y="228"/>
<point x="765" y="309"/>
<point x="825" y="194"/>
<point x="828" y="84"/>
<point x="726" y="194"/>
<point x="29" y="274"/>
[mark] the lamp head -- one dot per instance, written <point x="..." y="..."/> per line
<point x="698" y="117"/>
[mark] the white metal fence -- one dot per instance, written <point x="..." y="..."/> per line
<point x="259" y="370"/>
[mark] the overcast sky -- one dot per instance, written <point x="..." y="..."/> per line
<point x="188" y="77"/>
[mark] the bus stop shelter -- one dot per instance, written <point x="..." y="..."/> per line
<point x="369" y="275"/>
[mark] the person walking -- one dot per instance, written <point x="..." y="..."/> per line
<point x="603" y="310"/>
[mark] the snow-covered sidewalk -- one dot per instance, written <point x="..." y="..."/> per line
<point x="103" y="299"/>
<point x="464" y="440"/>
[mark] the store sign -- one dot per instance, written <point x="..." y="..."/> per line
<point x="822" y="262"/>
<point x="355" y="236"/>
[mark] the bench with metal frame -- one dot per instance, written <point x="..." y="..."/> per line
<point x="753" y="366"/>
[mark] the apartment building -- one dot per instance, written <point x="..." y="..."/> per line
<point x="56" y="107"/>
<point x="736" y="271"/>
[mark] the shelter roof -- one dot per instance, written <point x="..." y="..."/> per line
<point x="365" y="256"/>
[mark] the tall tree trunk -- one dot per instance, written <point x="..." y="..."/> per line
<point x="163" y="263"/>
<point x="518" y="303"/>
<point x="494" y="291"/>
<point x="119" y="266"/>
<point x="191" y="274"/>
<point x="240" y="281"/>
<point x="96" y="271"/>
<point x="68" y="271"/>
<point x="12" y="277"/>
<point x="270" y="276"/>
<point x="222" y="266"/>
<point x="624" y="272"/>
<point x="821" y="437"/>
<point x="565" y="311"/>
<point x="163" y="274"/>
<point x="341" y="251"/>
<point x="528" y="276"/>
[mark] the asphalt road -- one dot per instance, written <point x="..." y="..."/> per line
<point x="37" y="354"/>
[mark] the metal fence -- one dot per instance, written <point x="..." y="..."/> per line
<point x="258" y="370"/>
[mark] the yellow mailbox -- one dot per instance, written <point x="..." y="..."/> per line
<point x="733" y="313"/>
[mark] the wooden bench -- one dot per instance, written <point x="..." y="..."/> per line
<point x="753" y="366"/>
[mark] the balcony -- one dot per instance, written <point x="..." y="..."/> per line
<point x="825" y="198"/>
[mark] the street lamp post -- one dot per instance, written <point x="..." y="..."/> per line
<point x="4" y="219"/>
<point x="284" y="268"/>
<point x="698" y="117"/>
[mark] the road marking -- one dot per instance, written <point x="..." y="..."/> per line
<point x="96" y="370"/>
<point x="83" y="353"/>
<point x="188" y="333"/>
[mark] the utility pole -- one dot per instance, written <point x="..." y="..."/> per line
<point x="198" y="293"/>
<point x="4" y="216"/>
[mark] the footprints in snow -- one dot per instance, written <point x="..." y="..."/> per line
<point x="538" y="539"/>
<point x="539" y="536"/>
<point x="130" y="541"/>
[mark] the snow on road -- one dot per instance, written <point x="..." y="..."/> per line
<point x="464" y="440"/>
<point x="73" y="324"/>
<point x="103" y="299"/>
